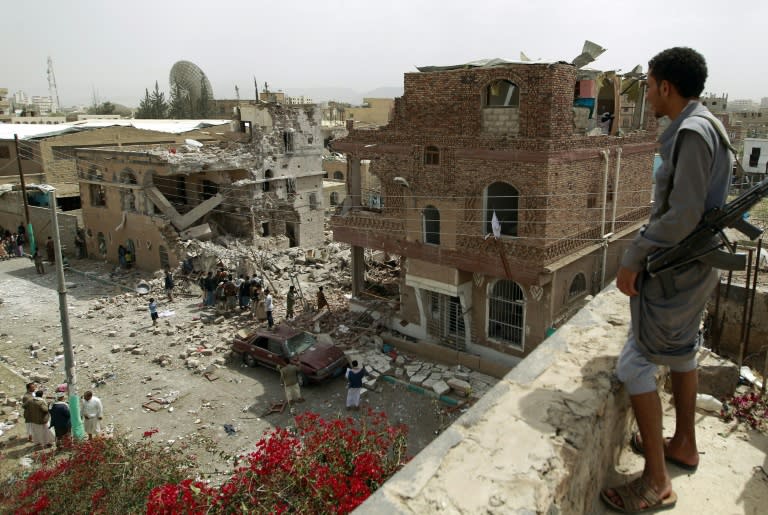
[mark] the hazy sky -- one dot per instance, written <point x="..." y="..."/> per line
<point x="121" y="48"/>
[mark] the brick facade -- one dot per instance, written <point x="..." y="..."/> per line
<point x="568" y="198"/>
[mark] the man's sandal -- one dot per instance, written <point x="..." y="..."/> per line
<point x="636" y="493"/>
<point x="637" y="447"/>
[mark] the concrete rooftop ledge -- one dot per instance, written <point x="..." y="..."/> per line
<point x="541" y="441"/>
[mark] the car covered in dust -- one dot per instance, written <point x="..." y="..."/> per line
<point x="275" y="348"/>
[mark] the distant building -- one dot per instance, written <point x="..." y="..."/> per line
<point x="764" y="103"/>
<point x="715" y="103"/>
<point x="5" y="103"/>
<point x="741" y="104"/>
<point x="374" y="112"/>
<point x="147" y="197"/>
<point x="43" y="105"/>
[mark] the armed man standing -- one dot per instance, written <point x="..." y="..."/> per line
<point x="666" y="309"/>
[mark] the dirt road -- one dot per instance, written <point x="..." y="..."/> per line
<point x="127" y="362"/>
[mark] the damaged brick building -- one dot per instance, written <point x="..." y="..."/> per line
<point x="147" y="198"/>
<point x="515" y="142"/>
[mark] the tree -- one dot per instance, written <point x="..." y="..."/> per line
<point x="145" y="107"/>
<point x="158" y="105"/>
<point x="103" y="108"/>
<point x="179" y="106"/>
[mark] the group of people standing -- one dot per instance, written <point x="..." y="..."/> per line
<point x="228" y="294"/>
<point x="13" y="243"/>
<point x="48" y="423"/>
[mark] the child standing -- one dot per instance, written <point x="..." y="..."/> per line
<point x="153" y="310"/>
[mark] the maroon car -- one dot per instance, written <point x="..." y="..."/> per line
<point x="272" y="348"/>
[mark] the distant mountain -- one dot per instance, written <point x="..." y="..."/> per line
<point x="347" y="95"/>
<point x="385" y="92"/>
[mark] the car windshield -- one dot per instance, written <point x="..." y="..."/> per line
<point x="300" y="343"/>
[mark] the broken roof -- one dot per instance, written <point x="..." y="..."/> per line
<point x="38" y="131"/>
<point x="480" y="63"/>
<point x="183" y="156"/>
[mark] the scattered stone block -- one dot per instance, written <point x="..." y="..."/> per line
<point x="459" y="386"/>
<point x="441" y="387"/>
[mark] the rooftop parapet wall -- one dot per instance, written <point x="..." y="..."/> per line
<point x="541" y="441"/>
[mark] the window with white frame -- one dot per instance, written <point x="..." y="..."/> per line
<point x="506" y="313"/>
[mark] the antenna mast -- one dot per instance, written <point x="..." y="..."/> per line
<point x="52" y="90"/>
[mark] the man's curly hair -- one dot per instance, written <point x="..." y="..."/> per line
<point x="682" y="67"/>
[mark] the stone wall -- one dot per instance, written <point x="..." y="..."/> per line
<point x="12" y="212"/>
<point x="541" y="441"/>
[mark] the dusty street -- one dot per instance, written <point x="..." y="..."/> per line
<point x="127" y="362"/>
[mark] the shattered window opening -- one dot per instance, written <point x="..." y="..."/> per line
<point x="334" y="198"/>
<point x="506" y="313"/>
<point x="313" y="204"/>
<point x="501" y="199"/>
<point x="502" y="93"/>
<point x="338" y="176"/>
<point x="265" y="185"/>
<point x="210" y="189"/>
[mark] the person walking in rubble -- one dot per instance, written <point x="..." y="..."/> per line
<point x="92" y="412"/>
<point x="354" y="376"/>
<point x="245" y="293"/>
<point x="268" y="305"/>
<point x="37" y="259"/>
<point x="39" y="418"/>
<point x="153" y="310"/>
<point x="290" y="300"/>
<point x="666" y="309"/>
<point x="289" y="377"/>
<point x="221" y="297"/>
<point x="26" y="401"/>
<point x="50" y="249"/>
<point x="210" y="290"/>
<point x="169" y="284"/>
<point x="60" y="419"/>
<point x="230" y="291"/>
<point x="322" y="302"/>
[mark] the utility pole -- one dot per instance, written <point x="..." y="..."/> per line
<point x="30" y="234"/>
<point x="69" y="355"/>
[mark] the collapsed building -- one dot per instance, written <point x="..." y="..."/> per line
<point x="147" y="198"/>
<point x="508" y="189"/>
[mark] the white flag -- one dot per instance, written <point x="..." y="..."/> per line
<point x="496" y="226"/>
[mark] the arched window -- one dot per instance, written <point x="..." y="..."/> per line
<point x="432" y="156"/>
<point x="501" y="199"/>
<point x="431" y="225"/>
<point x="334" y="198"/>
<point x="502" y="93"/>
<point x="267" y="176"/>
<point x="339" y="176"/>
<point x="127" y="177"/>
<point x="578" y="286"/>
<point x="506" y="313"/>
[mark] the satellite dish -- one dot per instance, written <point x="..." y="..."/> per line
<point x="190" y="79"/>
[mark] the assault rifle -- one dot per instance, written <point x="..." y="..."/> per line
<point x="699" y="244"/>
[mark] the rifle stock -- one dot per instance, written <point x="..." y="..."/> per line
<point x="698" y="243"/>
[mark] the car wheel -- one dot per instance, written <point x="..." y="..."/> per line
<point x="302" y="379"/>
<point x="249" y="360"/>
